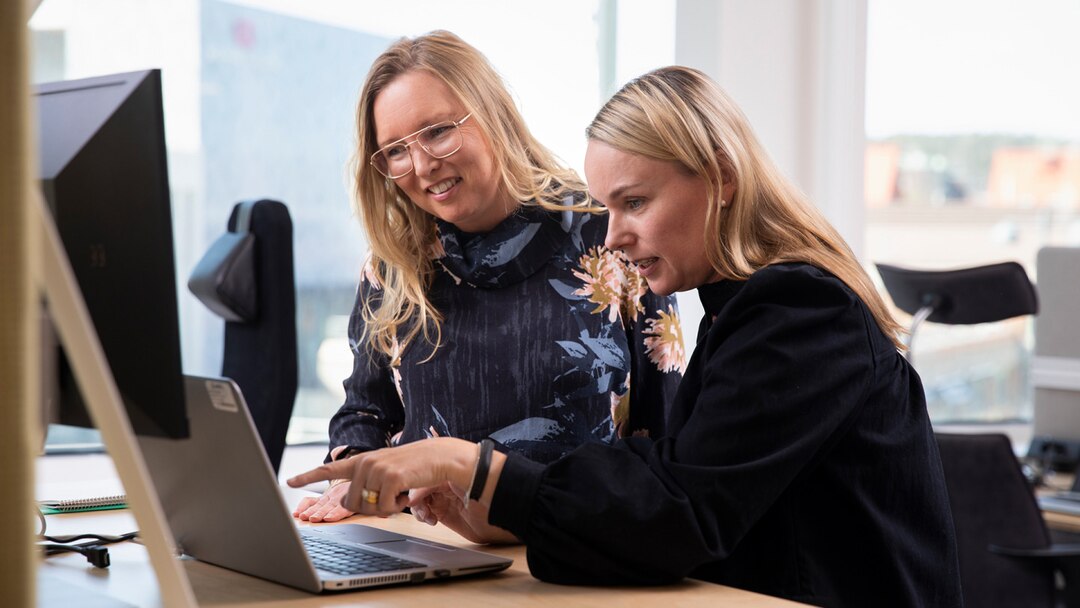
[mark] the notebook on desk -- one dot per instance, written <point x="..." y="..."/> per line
<point x="224" y="507"/>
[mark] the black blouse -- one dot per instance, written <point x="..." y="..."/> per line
<point x="549" y="341"/>
<point x="799" y="462"/>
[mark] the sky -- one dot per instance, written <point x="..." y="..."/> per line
<point x="955" y="66"/>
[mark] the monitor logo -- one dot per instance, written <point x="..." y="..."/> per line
<point x="98" y="258"/>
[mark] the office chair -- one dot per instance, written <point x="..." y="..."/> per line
<point x="1005" y="551"/>
<point x="247" y="278"/>
<point x="960" y="297"/>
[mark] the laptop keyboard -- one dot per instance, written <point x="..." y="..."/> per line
<point x="349" y="560"/>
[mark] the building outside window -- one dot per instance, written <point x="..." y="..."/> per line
<point x="973" y="157"/>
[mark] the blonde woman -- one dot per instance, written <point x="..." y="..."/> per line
<point x="799" y="460"/>
<point x="488" y="308"/>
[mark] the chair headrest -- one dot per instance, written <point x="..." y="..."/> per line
<point x="964" y="296"/>
<point x="225" y="279"/>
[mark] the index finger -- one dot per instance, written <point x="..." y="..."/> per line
<point x="340" y="469"/>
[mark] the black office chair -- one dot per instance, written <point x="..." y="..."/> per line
<point x="1005" y="550"/>
<point x="960" y="297"/>
<point x="247" y="278"/>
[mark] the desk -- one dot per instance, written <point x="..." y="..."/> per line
<point x="130" y="580"/>
<point x="1062" y="521"/>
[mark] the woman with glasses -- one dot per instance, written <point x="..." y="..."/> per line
<point x="799" y="459"/>
<point x="489" y="306"/>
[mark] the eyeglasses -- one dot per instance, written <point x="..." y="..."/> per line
<point x="439" y="140"/>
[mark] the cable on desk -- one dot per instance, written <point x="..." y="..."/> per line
<point x="97" y="555"/>
<point x="102" y="539"/>
<point x="94" y="551"/>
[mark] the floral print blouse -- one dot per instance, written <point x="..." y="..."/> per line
<point x="549" y="341"/>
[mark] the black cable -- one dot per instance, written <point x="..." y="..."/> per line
<point x="102" y="539"/>
<point x="95" y="554"/>
<point x="94" y="551"/>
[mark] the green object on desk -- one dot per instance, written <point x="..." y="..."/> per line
<point x="79" y="505"/>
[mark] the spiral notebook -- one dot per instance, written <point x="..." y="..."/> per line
<point x="75" y="505"/>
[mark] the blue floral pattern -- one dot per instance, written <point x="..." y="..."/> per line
<point x="544" y="345"/>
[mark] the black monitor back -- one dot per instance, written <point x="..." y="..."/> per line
<point x="104" y="176"/>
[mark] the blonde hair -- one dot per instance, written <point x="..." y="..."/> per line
<point x="679" y="114"/>
<point x="399" y="233"/>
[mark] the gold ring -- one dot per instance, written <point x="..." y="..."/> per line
<point x="369" y="496"/>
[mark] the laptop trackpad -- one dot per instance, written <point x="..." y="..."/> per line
<point x="412" y="547"/>
<point x="357" y="533"/>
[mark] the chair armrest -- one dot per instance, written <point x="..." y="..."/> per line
<point x="1063" y="557"/>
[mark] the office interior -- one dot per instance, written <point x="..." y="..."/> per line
<point x="933" y="135"/>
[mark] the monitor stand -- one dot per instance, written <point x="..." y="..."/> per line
<point x="57" y="283"/>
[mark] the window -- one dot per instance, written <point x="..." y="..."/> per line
<point x="973" y="157"/>
<point x="259" y="103"/>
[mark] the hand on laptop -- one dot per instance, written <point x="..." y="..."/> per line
<point x="382" y="478"/>
<point x="444" y="503"/>
<point x="325" y="508"/>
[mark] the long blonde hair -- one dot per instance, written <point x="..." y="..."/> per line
<point x="679" y="114"/>
<point x="399" y="233"/>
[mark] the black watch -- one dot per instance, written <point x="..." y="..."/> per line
<point x="347" y="452"/>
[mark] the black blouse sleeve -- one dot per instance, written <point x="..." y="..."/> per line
<point x="777" y="378"/>
<point x="372" y="411"/>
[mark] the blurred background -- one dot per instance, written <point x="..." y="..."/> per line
<point x="959" y="118"/>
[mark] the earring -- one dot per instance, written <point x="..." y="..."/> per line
<point x="723" y="203"/>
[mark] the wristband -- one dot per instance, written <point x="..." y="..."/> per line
<point x="348" y="452"/>
<point x="483" y="463"/>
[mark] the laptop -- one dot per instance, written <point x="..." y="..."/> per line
<point x="224" y="507"/>
<point x="1061" y="502"/>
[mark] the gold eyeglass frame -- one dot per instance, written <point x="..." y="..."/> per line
<point x="414" y="138"/>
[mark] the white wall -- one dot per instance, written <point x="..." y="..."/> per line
<point x="797" y="68"/>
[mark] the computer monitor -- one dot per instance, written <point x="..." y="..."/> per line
<point x="104" y="176"/>
<point x="1055" y="369"/>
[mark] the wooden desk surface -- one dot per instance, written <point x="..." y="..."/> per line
<point x="1062" y="521"/>
<point x="69" y="580"/>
